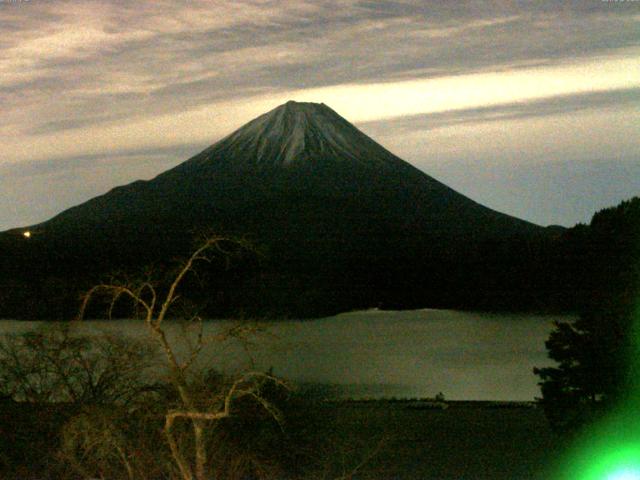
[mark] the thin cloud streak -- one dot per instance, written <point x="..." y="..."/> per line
<point x="548" y="106"/>
<point x="358" y="103"/>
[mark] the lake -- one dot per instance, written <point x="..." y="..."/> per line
<point x="373" y="353"/>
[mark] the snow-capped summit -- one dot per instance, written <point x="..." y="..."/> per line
<point x="294" y="133"/>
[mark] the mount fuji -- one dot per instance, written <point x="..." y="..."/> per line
<point x="297" y="154"/>
<point x="334" y="213"/>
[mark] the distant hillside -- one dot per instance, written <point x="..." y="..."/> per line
<point x="340" y="223"/>
<point x="600" y="262"/>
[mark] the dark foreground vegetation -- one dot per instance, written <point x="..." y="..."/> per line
<point x="598" y="364"/>
<point x="77" y="408"/>
<point x="321" y="440"/>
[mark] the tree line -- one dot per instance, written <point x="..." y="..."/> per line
<point x="597" y="355"/>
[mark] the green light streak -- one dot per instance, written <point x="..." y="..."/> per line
<point x="610" y="450"/>
<point x="630" y="473"/>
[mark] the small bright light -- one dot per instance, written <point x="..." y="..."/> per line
<point x="26" y="234"/>
<point x="625" y="474"/>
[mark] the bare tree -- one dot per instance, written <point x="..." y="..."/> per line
<point x="57" y="364"/>
<point x="57" y="382"/>
<point x="155" y="305"/>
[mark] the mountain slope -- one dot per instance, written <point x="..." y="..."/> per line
<point x="296" y="150"/>
<point x="332" y="210"/>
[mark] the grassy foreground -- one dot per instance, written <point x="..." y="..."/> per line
<point x="466" y="440"/>
<point x="382" y="439"/>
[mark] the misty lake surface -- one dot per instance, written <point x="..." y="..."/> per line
<point x="373" y="354"/>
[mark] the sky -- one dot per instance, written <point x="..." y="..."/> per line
<point x="530" y="108"/>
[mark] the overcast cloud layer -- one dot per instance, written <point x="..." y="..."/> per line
<point x="528" y="107"/>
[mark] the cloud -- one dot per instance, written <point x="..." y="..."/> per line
<point x="561" y="191"/>
<point x="357" y="102"/>
<point x="94" y="62"/>
<point x="97" y="78"/>
<point x="162" y="156"/>
<point x="548" y="106"/>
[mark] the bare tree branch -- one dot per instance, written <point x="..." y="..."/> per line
<point x="145" y="295"/>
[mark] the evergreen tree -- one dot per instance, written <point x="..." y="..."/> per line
<point x="595" y="353"/>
